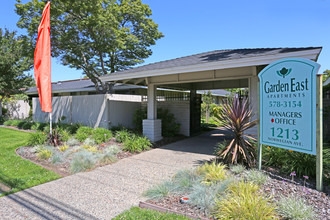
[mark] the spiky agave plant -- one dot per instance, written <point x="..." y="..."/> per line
<point x="236" y="116"/>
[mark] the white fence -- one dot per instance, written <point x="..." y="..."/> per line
<point x="106" y="110"/>
<point x="18" y="109"/>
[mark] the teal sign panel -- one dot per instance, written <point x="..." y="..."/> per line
<point x="288" y="104"/>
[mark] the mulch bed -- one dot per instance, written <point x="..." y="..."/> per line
<point x="276" y="187"/>
<point x="63" y="169"/>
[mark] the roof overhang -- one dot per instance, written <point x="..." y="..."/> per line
<point x="232" y="70"/>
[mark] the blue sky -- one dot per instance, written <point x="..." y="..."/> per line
<point x="195" y="26"/>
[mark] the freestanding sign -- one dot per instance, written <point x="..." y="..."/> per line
<point x="288" y="104"/>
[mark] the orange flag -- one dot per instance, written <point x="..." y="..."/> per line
<point x="42" y="61"/>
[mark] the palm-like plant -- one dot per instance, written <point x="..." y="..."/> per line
<point x="236" y="116"/>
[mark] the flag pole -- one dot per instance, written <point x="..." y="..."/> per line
<point x="50" y="122"/>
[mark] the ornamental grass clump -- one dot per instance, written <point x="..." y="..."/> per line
<point x="294" y="207"/>
<point x="236" y="116"/>
<point x="160" y="191"/>
<point x="185" y="179"/>
<point x="243" y="201"/>
<point x="256" y="176"/>
<point x="237" y="169"/>
<point x="83" y="160"/>
<point x="212" y="172"/>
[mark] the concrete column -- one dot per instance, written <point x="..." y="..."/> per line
<point x="152" y="102"/>
<point x="152" y="127"/>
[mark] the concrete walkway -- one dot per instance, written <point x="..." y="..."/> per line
<point x="107" y="191"/>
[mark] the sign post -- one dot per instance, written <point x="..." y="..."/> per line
<point x="319" y="134"/>
<point x="290" y="96"/>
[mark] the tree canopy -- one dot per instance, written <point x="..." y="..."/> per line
<point x="326" y="75"/>
<point x="96" y="36"/>
<point x="13" y="62"/>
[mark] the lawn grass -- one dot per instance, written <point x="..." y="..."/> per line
<point x="15" y="172"/>
<point x="138" y="213"/>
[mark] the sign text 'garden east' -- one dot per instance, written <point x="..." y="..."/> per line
<point x="288" y="104"/>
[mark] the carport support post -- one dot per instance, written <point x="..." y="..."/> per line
<point x="152" y="127"/>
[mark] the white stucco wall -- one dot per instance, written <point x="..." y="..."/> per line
<point x="122" y="112"/>
<point x="181" y="111"/>
<point x="91" y="110"/>
<point x="18" y="109"/>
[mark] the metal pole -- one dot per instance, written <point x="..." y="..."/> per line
<point x="50" y="122"/>
<point x="258" y="114"/>
<point x="319" y="133"/>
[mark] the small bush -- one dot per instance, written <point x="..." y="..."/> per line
<point x="64" y="135"/>
<point x="140" y="213"/>
<point x="237" y="169"/>
<point x="8" y="123"/>
<point x="185" y="179"/>
<point x="44" y="154"/>
<point x="63" y="148"/>
<point x="37" y="138"/>
<point x="72" y="141"/>
<point x="160" y="191"/>
<point x="243" y="202"/>
<point x="112" y="149"/>
<point x="82" y="161"/>
<point x="256" y="176"/>
<point x="212" y="172"/>
<point x="57" y="158"/>
<point x="27" y="125"/>
<point x="101" y="135"/>
<point x="123" y="135"/>
<point x="204" y="196"/>
<point x="20" y="124"/>
<point x="83" y="133"/>
<point x="89" y="141"/>
<point x="90" y="148"/>
<point x="136" y="144"/>
<point x="294" y="207"/>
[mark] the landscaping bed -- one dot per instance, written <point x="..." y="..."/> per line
<point x="209" y="194"/>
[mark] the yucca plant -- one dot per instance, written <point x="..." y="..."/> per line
<point x="236" y="116"/>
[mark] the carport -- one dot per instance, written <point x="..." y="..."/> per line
<point x="220" y="69"/>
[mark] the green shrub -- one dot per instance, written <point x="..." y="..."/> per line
<point x="295" y="207"/>
<point x="244" y="202"/>
<point x="20" y="124"/>
<point x="15" y="123"/>
<point x="83" y="133"/>
<point x="82" y="161"/>
<point x="71" y="128"/>
<point x="169" y="125"/>
<point x="37" y="138"/>
<point x="64" y="135"/>
<point x="256" y="176"/>
<point x="41" y="127"/>
<point x="123" y="135"/>
<point x="212" y="172"/>
<point x="2" y="119"/>
<point x="8" y="123"/>
<point x="101" y="135"/>
<point x="27" y="125"/>
<point x="136" y="144"/>
<point x="237" y="169"/>
<point x="289" y="161"/>
<point x="44" y="154"/>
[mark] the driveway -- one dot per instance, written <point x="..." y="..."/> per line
<point x="107" y="191"/>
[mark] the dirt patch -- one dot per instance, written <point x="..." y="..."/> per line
<point x="4" y="188"/>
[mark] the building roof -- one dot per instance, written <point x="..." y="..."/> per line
<point x="212" y="56"/>
<point x="77" y="85"/>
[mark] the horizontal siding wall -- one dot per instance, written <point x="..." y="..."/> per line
<point x="181" y="112"/>
<point x="121" y="113"/>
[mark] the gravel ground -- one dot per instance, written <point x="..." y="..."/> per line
<point x="107" y="191"/>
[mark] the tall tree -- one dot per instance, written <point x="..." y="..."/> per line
<point x="326" y="75"/>
<point x="96" y="36"/>
<point x="13" y="62"/>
